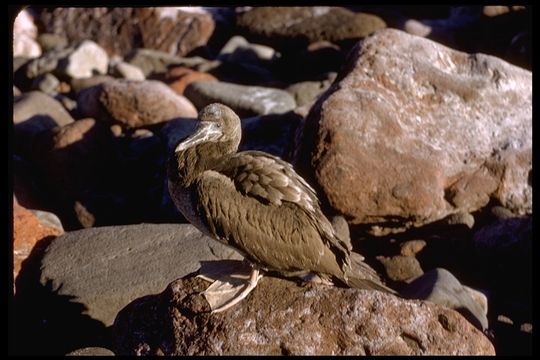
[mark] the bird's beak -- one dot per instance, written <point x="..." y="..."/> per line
<point x="206" y="131"/>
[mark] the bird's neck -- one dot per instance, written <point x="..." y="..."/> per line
<point x="185" y="166"/>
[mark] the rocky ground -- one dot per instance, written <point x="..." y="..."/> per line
<point x="414" y="123"/>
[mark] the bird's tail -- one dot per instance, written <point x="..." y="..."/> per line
<point x="362" y="276"/>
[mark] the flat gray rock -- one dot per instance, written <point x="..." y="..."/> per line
<point x="441" y="287"/>
<point x="244" y="100"/>
<point x="106" y="268"/>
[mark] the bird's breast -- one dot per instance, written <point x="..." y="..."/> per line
<point x="183" y="199"/>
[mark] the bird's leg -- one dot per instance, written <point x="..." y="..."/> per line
<point x="254" y="277"/>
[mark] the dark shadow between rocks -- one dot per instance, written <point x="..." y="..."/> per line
<point x="46" y="321"/>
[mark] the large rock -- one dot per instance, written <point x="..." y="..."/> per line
<point x="244" y="100"/>
<point x="173" y="30"/>
<point x="134" y="103"/>
<point x="83" y="278"/>
<point x="290" y="27"/>
<point x="280" y="317"/>
<point x="122" y="263"/>
<point x="413" y="131"/>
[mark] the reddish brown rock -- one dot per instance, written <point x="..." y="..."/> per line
<point x="169" y="29"/>
<point x="413" y="132"/>
<point x="179" y="77"/>
<point x="280" y="317"/>
<point x="27" y="231"/>
<point x="134" y="104"/>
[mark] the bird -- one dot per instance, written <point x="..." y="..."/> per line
<point x="259" y="205"/>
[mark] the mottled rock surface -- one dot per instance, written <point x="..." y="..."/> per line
<point x="174" y="31"/>
<point x="244" y="100"/>
<point x="414" y="131"/>
<point x="282" y="318"/>
<point x="134" y="104"/>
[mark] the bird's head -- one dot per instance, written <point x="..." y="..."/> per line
<point x="217" y="124"/>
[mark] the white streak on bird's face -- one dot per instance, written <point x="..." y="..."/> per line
<point x="206" y="131"/>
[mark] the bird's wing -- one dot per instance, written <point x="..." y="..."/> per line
<point x="269" y="179"/>
<point x="274" y="181"/>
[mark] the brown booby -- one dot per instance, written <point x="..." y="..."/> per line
<point x="256" y="203"/>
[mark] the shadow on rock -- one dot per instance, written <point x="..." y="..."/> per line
<point x="46" y="322"/>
